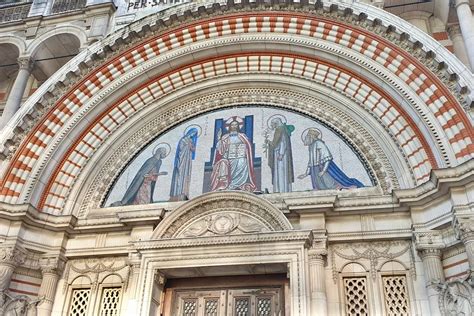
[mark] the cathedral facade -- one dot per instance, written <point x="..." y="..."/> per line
<point x="235" y="157"/>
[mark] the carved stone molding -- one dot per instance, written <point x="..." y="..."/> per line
<point x="375" y="254"/>
<point x="222" y="213"/>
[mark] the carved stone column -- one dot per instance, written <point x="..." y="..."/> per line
<point x="317" y="281"/>
<point x="429" y="247"/>
<point x="458" y="44"/>
<point x="50" y="269"/>
<point x="464" y="229"/>
<point x="463" y="9"/>
<point x="18" y="89"/>
<point x="10" y="258"/>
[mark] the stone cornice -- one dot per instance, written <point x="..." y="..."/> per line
<point x="305" y="236"/>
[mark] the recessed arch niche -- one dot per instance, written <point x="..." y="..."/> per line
<point x="195" y="149"/>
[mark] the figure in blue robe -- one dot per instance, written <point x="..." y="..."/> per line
<point x="185" y="154"/>
<point x="325" y="174"/>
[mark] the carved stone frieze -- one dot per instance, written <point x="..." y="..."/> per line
<point x="96" y="269"/>
<point x="375" y="254"/>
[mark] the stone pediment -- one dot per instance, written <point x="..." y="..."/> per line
<point x="222" y="213"/>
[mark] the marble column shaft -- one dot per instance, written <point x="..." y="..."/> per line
<point x="434" y="274"/>
<point x="458" y="44"/>
<point x="318" y="284"/>
<point x="18" y="89"/>
<point x="463" y="10"/>
<point x="47" y="292"/>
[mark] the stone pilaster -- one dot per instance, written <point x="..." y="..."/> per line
<point x="10" y="257"/>
<point x="429" y="246"/>
<point x="51" y="268"/>
<point x="134" y="260"/>
<point x="18" y="89"/>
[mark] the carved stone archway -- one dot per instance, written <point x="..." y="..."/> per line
<point x="222" y="213"/>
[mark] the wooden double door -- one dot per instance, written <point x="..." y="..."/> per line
<point x="228" y="302"/>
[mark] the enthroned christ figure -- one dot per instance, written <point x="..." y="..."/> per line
<point x="233" y="160"/>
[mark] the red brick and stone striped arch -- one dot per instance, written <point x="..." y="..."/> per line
<point x="23" y="169"/>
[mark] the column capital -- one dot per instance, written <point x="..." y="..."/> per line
<point x="429" y="243"/>
<point x="12" y="255"/>
<point x="134" y="258"/>
<point x="461" y="2"/>
<point x="318" y="250"/>
<point x="428" y="239"/>
<point x="454" y="30"/>
<point x="51" y="264"/>
<point x="317" y="254"/>
<point x="26" y="62"/>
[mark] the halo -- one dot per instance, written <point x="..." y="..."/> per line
<point x="193" y="126"/>
<point x="282" y="117"/>
<point x="166" y="145"/>
<point x="305" y="132"/>
<point x="234" y="118"/>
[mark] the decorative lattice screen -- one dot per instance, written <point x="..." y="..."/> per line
<point x="264" y="306"/>
<point x="211" y="307"/>
<point x="355" y="290"/>
<point x="395" y="295"/>
<point x="189" y="307"/>
<point x="110" y="305"/>
<point x="79" y="302"/>
<point x="242" y="307"/>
